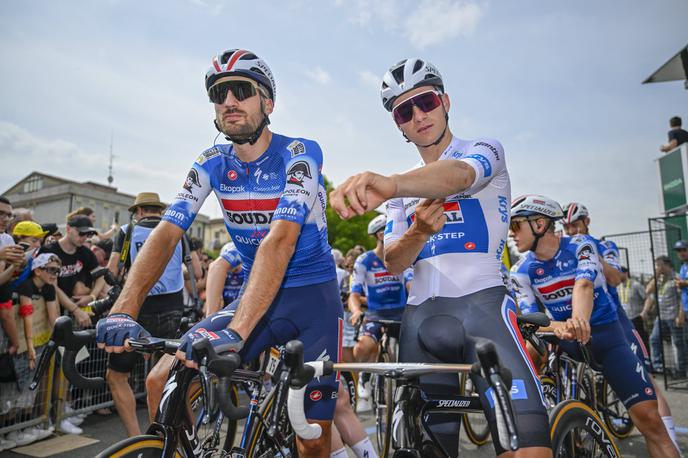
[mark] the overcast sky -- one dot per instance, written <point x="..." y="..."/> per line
<point x="558" y="83"/>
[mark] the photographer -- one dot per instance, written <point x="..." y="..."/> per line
<point x="162" y="310"/>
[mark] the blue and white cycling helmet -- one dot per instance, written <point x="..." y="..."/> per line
<point x="574" y="211"/>
<point x="377" y="224"/>
<point x="534" y="204"/>
<point x="406" y="75"/>
<point x="241" y="62"/>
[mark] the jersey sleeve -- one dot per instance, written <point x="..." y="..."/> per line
<point x="523" y="291"/>
<point x="231" y="255"/>
<point x="49" y="293"/>
<point x="358" y="276"/>
<point x="486" y="157"/>
<point x="396" y="220"/>
<point x="589" y="265"/>
<point x="610" y="254"/>
<point x="119" y="239"/>
<point x="188" y="201"/>
<point x="303" y="172"/>
<point x="408" y="275"/>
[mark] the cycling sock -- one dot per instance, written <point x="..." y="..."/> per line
<point x="341" y="453"/>
<point x="364" y="449"/>
<point x="669" y="425"/>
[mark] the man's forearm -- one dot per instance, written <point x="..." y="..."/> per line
<point x="149" y="265"/>
<point x="437" y="180"/>
<point x="66" y="302"/>
<point x="9" y="325"/>
<point x="612" y="275"/>
<point x="582" y="300"/>
<point x="264" y="281"/>
<point x="401" y="254"/>
<point x="214" y="286"/>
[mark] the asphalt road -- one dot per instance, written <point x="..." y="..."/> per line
<point x="109" y="430"/>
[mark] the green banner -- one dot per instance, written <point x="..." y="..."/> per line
<point x="673" y="181"/>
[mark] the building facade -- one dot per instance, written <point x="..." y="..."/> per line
<point x="52" y="198"/>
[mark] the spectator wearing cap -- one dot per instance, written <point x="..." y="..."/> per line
<point x="632" y="298"/>
<point x="76" y="288"/>
<point x="37" y="312"/>
<point x="162" y="310"/>
<point x="677" y="136"/>
<point x="87" y="211"/>
<point x="670" y="317"/>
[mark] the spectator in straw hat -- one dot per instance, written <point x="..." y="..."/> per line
<point x="161" y="312"/>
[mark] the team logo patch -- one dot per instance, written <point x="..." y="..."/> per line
<point x="211" y="153"/>
<point x="469" y="246"/>
<point x="232" y="175"/>
<point x="540" y="271"/>
<point x="316" y="395"/>
<point x="192" y="180"/>
<point x="296" y="148"/>
<point x="648" y="391"/>
<point x="298" y="172"/>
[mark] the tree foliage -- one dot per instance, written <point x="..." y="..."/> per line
<point x="345" y="234"/>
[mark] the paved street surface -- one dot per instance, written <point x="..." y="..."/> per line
<point x="109" y="430"/>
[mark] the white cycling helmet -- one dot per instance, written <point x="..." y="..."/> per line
<point x="242" y="63"/>
<point x="406" y="75"/>
<point x="377" y="224"/>
<point x="534" y="204"/>
<point x="574" y="211"/>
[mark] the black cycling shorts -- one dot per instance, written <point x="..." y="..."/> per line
<point x="432" y="332"/>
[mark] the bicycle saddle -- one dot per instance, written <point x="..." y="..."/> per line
<point x="443" y="337"/>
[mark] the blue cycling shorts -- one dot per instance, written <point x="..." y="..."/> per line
<point x="634" y="339"/>
<point x="624" y="372"/>
<point x="311" y="314"/>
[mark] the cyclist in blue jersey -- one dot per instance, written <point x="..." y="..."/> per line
<point x="448" y="219"/>
<point x="272" y="193"/>
<point x="225" y="279"/>
<point x="681" y="249"/>
<point x="577" y="221"/>
<point x="566" y="276"/>
<point x="386" y="293"/>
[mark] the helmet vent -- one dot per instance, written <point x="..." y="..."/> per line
<point x="419" y="64"/>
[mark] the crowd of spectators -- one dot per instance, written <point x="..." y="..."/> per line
<point x="44" y="273"/>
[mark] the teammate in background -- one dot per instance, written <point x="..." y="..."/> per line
<point x="577" y="221"/>
<point x="448" y="218"/>
<point x="225" y="279"/>
<point x="273" y="195"/>
<point x="566" y="276"/>
<point x="386" y="295"/>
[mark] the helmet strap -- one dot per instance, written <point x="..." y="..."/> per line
<point x="251" y="138"/>
<point x="538" y="235"/>
<point x="439" y="139"/>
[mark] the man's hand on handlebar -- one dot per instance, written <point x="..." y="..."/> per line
<point x="113" y="331"/>
<point x="225" y="340"/>
<point x="572" y="329"/>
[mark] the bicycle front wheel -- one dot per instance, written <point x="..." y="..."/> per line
<point x="475" y="424"/>
<point x="383" y="400"/>
<point x="261" y="445"/>
<point x="143" y="446"/>
<point x="614" y="413"/>
<point x="577" y="431"/>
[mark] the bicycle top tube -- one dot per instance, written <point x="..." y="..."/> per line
<point x="401" y="370"/>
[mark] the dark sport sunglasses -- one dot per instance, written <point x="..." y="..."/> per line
<point x="241" y="90"/>
<point x="425" y="101"/>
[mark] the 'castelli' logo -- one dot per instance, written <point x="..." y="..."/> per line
<point x="540" y="271"/>
<point x="232" y="175"/>
<point x="469" y="246"/>
<point x="316" y="395"/>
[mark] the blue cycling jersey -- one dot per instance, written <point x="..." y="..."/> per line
<point x="235" y="275"/>
<point x="384" y="290"/>
<point x="683" y="275"/>
<point x="284" y="183"/>
<point x="552" y="281"/>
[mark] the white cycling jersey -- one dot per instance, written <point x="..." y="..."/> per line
<point x="465" y="256"/>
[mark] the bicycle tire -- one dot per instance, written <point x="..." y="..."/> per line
<point x="475" y="424"/>
<point x="203" y="431"/>
<point x="143" y="446"/>
<point x="614" y="413"/>
<point x="575" y="426"/>
<point x="259" y="444"/>
<point x="350" y="383"/>
<point x="383" y="393"/>
<point x="549" y="390"/>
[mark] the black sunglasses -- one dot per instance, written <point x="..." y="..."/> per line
<point x="51" y="270"/>
<point x="241" y="90"/>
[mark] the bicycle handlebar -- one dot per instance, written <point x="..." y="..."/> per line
<point x="223" y="366"/>
<point x="64" y="336"/>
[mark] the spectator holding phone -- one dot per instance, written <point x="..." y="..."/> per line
<point x="10" y="256"/>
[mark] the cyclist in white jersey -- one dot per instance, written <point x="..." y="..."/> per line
<point x="448" y="218"/>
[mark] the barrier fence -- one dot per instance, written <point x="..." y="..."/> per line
<point x="664" y="339"/>
<point x="55" y="399"/>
